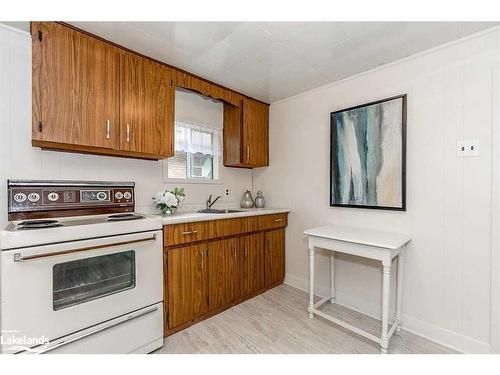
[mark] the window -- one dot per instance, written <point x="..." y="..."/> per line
<point x="197" y="152"/>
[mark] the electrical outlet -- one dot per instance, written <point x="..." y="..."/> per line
<point x="467" y="148"/>
<point x="226" y="192"/>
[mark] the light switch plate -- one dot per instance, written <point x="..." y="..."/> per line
<point x="467" y="148"/>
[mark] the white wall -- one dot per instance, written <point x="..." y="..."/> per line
<point x="447" y="280"/>
<point x="18" y="159"/>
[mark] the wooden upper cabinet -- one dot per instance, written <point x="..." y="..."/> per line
<point x="146" y="106"/>
<point x="91" y="96"/>
<point x="246" y="134"/>
<point x="75" y="88"/>
<point x="255" y="133"/>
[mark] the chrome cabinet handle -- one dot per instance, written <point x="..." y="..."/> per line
<point x="278" y="220"/>
<point x="108" y="128"/>
<point x="248" y="152"/>
<point x="189" y="232"/>
<point x="19" y="258"/>
<point x="128" y="133"/>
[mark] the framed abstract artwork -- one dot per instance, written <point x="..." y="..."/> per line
<point x="368" y="155"/>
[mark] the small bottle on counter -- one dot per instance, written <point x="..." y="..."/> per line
<point x="259" y="200"/>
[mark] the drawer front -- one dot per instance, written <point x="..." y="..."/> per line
<point x="177" y="234"/>
<point x="273" y="221"/>
<point x="225" y="227"/>
<point x="251" y="224"/>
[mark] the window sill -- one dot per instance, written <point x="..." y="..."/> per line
<point x="191" y="181"/>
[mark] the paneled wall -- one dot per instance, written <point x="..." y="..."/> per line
<point x="447" y="280"/>
<point x="18" y="159"/>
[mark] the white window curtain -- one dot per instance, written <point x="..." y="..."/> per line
<point x="193" y="137"/>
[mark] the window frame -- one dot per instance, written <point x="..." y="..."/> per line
<point x="216" y="171"/>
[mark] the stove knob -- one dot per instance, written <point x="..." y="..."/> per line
<point x="101" y="196"/>
<point x="53" y="196"/>
<point x="118" y="195"/>
<point x="20" y="197"/>
<point x="34" y="197"/>
<point x="127" y="195"/>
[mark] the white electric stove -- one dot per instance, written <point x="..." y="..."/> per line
<point x="80" y="271"/>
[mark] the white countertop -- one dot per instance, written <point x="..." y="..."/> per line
<point x="188" y="217"/>
<point x="368" y="237"/>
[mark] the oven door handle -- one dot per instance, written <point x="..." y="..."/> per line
<point x="97" y="330"/>
<point x="19" y="258"/>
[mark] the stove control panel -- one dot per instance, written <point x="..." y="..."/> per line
<point x="25" y="197"/>
<point x="95" y="196"/>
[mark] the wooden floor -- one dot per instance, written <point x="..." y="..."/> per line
<point x="277" y="322"/>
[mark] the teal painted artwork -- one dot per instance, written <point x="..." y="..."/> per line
<point x="368" y="155"/>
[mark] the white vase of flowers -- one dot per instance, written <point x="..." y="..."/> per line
<point x="169" y="200"/>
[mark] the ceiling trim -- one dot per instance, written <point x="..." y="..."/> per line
<point x="15" y="29"/>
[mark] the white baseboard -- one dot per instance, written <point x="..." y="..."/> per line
<point x="429" y="331"/>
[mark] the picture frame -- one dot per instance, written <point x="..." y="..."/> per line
<point x="368" y="155"/>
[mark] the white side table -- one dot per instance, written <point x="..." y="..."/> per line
<point x="370" y="244"/>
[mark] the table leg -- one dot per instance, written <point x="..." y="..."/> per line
<point x="332" y="277"/>
<point x="399" y="291"/>
<point x="386" y="285"/>
<point x="311" y="282"/>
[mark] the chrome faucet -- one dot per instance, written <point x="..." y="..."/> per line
<point x="210" y="203"/>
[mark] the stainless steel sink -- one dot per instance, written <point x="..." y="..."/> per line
<point x="214" y="211"/>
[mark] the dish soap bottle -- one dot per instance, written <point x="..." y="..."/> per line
<point x="246" y="200"/>
<point x="259" y="200"/>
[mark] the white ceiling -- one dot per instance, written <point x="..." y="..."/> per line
<point x="274" y="60"/>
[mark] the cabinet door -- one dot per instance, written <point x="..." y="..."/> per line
<point x="146" y="107"/>
<point x="255" y="133"/>
<point x="232" y="139"/>
<point x="223" y="268"/>
<point x="187" y="283"/>
<point x="251" y="264"/>
<point x="75" y="88"/>
<point x="275" y="256"/>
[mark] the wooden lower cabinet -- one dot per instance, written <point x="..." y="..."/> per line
<point x="251" y="264"/>
<point x="274" y="256"/>
<point x="221" y="267"/>
<point x="223" y="271"/>
<point x="187" y="283"/>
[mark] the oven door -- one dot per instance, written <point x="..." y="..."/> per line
<point x="53" y="290"/>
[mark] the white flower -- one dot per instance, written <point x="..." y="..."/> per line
<point x="169" y="199"/>
<point x="158" y="196"/>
